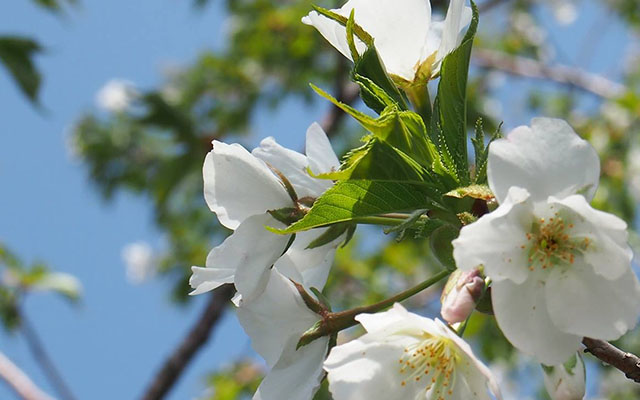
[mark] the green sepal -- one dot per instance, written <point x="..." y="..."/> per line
<point x="484" y="305"/>
<point x="287" y="215"/>
<point x="321" y="298"/>
<point x="427" y="227"/>
<point x="482" y="192"/>
<point x="441" y="246"/>
<point x="409" y="223"/>
<point x="331" y="234"/>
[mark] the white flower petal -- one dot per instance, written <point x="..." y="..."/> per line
<point x="458" y="16"/>
<point x="205" y="279"/>
<point x="334" y="33"/>
<point x="243" y="258"/>
<point x="394" y="320"/>
<point x="292" y="165"/>
<point x="548" y="159"/>
<point x="297" y="374"/>
<point x="609" y="253"/>
<point x="521" y="312"/>
<point x="399" y="29"/>
<point x="322" y="158"/>
<point x="252" y="253"/>
<point x="309" y="267"/>
<point x="364" y="370"/>
<point x="496" y="239"/>
<point x="237" y="185"/>
<point x="274" y="317"/>
<point x="583" y="303"/>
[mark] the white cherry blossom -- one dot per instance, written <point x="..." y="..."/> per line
<point x="406" y="356"/>
<point x="275" y="321"/>
<point x="410" y="42"/>
<point x="560" y="269"/>
<point x="241" y="187"/>
<point x="116" y="95"/>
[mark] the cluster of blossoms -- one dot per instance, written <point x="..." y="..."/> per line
<point x="556" y="269"/>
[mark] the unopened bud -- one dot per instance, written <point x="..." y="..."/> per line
<point x="460" y="295"/>
<point x="566" y="381"/>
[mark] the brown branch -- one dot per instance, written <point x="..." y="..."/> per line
<point x="608" y="353"/>
<point x="173" y="367"/>
<point x="530" y="68"/>
<point x="36" y="345"/>
<point x="21" y="384"/>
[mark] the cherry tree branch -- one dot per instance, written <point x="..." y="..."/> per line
<point x="608" y="353"/>
<point x="334" y="322"/>
<point x="197" y="337"/>
<point x="21" y="384"/>
<point x="562" y="74"/>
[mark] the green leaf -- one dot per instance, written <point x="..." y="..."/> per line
<point x="370" y="66"/>
<point x="373" y="96"/>
<point x="401" y="129"/>
<point x="16" y="53"/>
<point x="350" y="199"/>
<point x="449" y="122"/>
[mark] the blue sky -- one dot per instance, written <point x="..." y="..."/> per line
<point x="110" y="346"/>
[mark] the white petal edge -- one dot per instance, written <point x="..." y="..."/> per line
<point x="548" y="159"/>
<point x="584" y="303"/>
<point x="309" y="267"/>
<point x="522" y="315"/>
<point x="496" y="239"/>
<point x="322" y="158"/>
<point x="237" y="185"/>
<point x="399" y="28"/>
<point x="609" y="253"/>
<point x="292" y="165"/>
<point x="297" y="374"/>
<point x="276" y="315"/>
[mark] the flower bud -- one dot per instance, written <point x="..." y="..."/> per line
<point x="460" y="295"/>
<point x="566" y="381"/>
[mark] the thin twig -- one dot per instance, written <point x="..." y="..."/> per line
<point x="173" y="367"/>
<point x="21" y="384"/>
<point x="530" y="68"/>
<point x="608" y="353"/>
<point x="40" y="354"/>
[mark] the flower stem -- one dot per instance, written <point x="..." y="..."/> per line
<point x="335" y="322"/>
<point x="379" y="220"/>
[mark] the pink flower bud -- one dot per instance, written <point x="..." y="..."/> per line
<point x="460" y="295"/>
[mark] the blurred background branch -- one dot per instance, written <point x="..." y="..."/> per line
<point x="22" y="385"/>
